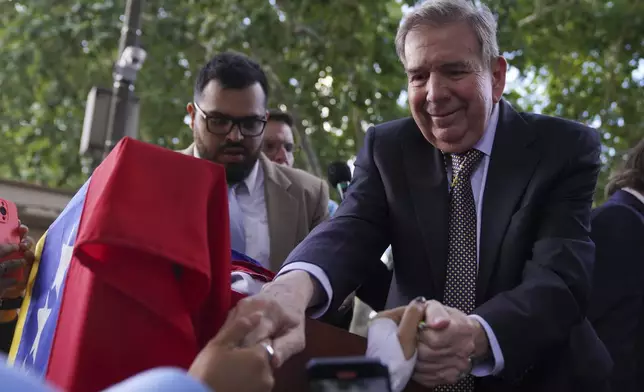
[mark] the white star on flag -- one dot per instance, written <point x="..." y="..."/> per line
<point x="42" y="316"/>
<point x="63" y="264"/>
<point x="65" y="258"/>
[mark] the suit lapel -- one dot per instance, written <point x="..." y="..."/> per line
<point x="513" y="160"/>
<point x="282" y="211"/>
<point x="427" y="178"/>
<point x="621" y="196"/>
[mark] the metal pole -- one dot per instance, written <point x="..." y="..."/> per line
<point x="117" y="119"/>
<point x="131" y="31"/>
<point x="122" y="88"/>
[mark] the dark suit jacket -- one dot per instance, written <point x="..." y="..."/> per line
<point x="536" y="256"/>
<point x="616" y="307"/>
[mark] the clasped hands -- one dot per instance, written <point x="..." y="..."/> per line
<point x="445" y="339"/>
<point x="258" y="335"/>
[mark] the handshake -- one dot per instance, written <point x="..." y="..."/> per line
<point x="265" y="330"/>
<point x="445" y="341"/>
<point x="241" y="357"/>
<point x="259" y="335"/>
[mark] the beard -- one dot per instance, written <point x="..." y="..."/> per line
<point x="236" y="172"/>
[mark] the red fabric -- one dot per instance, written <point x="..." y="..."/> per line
<point x="149" y="281"/>
<point x="236" y="297"/>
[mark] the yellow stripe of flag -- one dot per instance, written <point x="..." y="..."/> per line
<point x="22" y="313"/>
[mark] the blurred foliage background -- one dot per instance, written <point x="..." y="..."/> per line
<point x="331" y="63"/>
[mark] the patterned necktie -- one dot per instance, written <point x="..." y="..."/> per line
<point x="460" y="282"/>
<point x="236" y="218"/>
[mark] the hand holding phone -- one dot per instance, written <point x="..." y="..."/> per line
<point x="348" y="374"/>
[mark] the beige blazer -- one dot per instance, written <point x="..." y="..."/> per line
<point x="296" y="202"/>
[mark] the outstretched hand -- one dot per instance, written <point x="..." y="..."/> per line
<point x="224" y="365"/>
<point x="407" y="318"/>
<point x="282" y="304"/>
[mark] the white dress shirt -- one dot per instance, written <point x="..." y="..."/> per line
<point x="252" y="202"/>
<point x="478" y="187"/>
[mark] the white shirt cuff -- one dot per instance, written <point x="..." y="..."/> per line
<point x="244" y="283"/>
<point x="496" y="364"/>
<point x="383" y="344"/>
<point x="319" y="309"/>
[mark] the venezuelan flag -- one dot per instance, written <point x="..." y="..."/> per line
<point x="40" y="309"/>
<point x="134" y="274"/>
<point x="39" y="313"/>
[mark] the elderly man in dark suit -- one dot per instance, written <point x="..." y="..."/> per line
<point x="488" y="214"/>
<point x="617" y="300"/>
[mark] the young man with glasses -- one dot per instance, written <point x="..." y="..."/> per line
<point x="272" y="207"/>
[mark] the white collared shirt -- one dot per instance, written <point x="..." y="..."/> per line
<point x="635" y="193"/>
<point x="479" y="176"/>
<point x="252" y="202"/>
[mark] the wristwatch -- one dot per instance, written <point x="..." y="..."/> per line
<point x="10" y="303"/>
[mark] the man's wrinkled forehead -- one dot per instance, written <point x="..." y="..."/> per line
<point x="429" y="46"/>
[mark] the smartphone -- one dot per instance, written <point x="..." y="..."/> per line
<point x="348" y="374"/>
<point x="9" y="234"/>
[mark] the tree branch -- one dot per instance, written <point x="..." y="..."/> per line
<point x="541" y="12"/>
<point x="313" y="162"/>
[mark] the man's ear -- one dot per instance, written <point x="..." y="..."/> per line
<point x="499" y="70"/>
<point x="190" y="108"/>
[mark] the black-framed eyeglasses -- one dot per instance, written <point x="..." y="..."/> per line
<point x="221" y="124"/>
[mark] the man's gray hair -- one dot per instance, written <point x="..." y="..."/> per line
<point x="440" y="12"/>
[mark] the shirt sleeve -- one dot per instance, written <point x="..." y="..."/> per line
<point x="495" y="364"/>
<point x="160" y="380"/>
<point x="319" y="309"/>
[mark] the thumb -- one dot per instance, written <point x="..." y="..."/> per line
<point x="235" y="329"/>
<point x="394" y="314"/>
<point x="408" y="327"/>
<point x="436" y="316"/>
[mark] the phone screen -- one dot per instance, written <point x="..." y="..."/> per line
<point x="372" y="384"/>
<point x="348" y="374"/>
